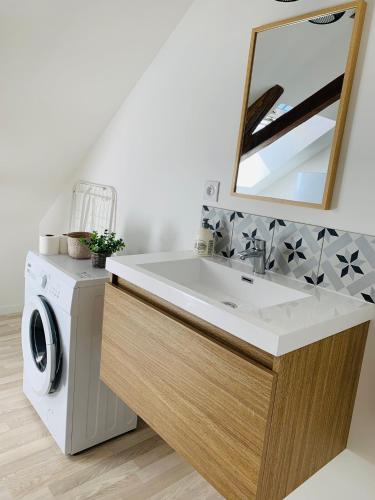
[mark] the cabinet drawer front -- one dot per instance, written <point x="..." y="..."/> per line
<point x="209" y="404"/>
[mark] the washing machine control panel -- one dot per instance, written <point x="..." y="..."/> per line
<point x="55" y="291"/>
<point x="48" y="285"/>
<point x="43" y="281"/>
<point x="61" y="279"/>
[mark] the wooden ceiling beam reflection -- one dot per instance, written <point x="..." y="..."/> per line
<point x="327" y="95"/>
<point x="257" y="111"/>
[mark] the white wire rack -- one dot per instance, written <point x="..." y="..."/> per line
<point x="93" y="207"/>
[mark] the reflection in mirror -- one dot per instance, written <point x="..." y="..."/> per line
<point x="292" y="107"/>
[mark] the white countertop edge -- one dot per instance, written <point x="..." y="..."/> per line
<point x="305" y="336"/>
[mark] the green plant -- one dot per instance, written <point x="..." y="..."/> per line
<point x="105" y="243"/>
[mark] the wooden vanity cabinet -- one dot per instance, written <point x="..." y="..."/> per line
<point x="254" y="425"/>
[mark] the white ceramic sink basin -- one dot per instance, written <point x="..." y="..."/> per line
<point x="226" y="285"/>
<point x="272" y="312"/>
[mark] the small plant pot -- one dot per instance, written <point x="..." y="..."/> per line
<point x="99" y="259"/>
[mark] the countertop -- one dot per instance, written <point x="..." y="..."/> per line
<point x="277" y="329"/>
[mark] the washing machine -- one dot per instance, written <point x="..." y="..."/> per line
<point x="61" y="345"/>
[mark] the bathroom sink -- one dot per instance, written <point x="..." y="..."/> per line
<point x="272" y="312"/>
<point x="231" y="287"/>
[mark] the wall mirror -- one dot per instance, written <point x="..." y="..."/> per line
<point x="299" y="77"/>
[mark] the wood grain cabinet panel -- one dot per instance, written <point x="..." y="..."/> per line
<point x="254" y="425"/>
<point x="209" y="404"/>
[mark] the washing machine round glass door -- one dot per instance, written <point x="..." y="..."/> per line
<point x="40" y="345"/>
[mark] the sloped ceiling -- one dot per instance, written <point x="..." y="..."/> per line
<point x="65" y="68"/>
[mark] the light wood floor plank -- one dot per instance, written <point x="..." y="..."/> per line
<point x="123" y="458"/>
<point x="160" y="482"/>
<point x="136" y="466"/>
<point x="190" y="486"/>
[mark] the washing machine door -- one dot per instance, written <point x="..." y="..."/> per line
<point x="40" y="345"/>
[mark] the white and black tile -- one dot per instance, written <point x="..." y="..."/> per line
<point x="254" y="226"/>
<point x="337" y="260"/>
<point x="348" y="264"/>
<point x="221" y="224"/>
<point x="297" y="252"/>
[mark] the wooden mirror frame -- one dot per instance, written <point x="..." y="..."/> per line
<point x="360" y="6"/>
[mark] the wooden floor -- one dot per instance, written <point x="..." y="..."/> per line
<point x="138" y="465"/>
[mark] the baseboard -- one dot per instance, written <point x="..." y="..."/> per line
<point x="12" y="309"/>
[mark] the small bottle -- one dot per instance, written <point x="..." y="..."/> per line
<point x="204" y="243"/>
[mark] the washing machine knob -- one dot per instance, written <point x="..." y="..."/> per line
<point x="43" y="281"/>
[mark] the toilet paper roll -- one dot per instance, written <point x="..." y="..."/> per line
<point x="63" y="247"/>
<point x="49" y="244"/>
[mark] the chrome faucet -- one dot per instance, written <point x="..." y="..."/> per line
<point x="257" y="252"/>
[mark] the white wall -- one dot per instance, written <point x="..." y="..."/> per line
<point x="65" y="69"/>
<point x="179" y="127"/>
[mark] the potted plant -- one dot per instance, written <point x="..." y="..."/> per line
<point x="102" y="246"/>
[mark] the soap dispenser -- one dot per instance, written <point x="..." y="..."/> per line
<point x="204" y="243"/>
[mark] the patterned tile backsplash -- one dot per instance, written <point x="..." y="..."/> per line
<point x="337" y="260"/>
<point x="221" y="225"/>
<point x="297" y="251"/>
<point x="246" y="226"/>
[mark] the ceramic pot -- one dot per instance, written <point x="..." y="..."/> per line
<point x="98" y="259"/>
<point x="76" y="249"/>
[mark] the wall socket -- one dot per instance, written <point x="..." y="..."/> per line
<point x="211" y="191"/>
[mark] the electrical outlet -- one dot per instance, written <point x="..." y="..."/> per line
<point x="211" y="191"/>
